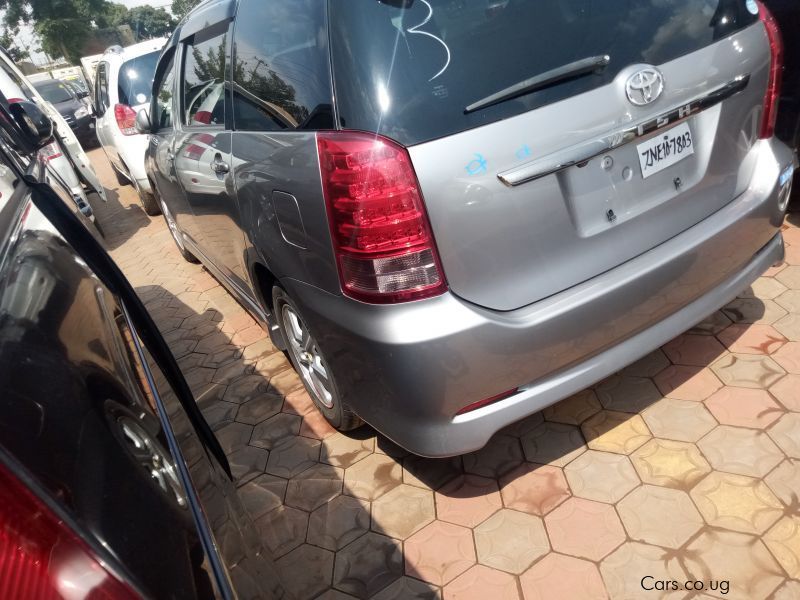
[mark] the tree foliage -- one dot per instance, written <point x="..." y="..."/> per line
<point x="181" y="7"/>
<point x="9" y="41"/>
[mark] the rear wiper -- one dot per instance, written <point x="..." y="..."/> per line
<point x="571" y="70"/>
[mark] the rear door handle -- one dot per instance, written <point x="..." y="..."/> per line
<point x="219" y="166"/>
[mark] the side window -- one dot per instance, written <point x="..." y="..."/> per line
<point x="281" y="69"/>
<point x="203" y="82"/>
<point x="101" y="88"/>
<point x="163" y="101"/>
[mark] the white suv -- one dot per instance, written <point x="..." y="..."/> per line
<point x="123" y="80"/>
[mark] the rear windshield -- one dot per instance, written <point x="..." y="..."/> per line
<point x="409" y="68"/>
<point x="136" y="79"/>
<point x="54" y="92"/>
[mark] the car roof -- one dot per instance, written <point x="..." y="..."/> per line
<point x="134" y="50"/>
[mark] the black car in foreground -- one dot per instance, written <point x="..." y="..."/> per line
<point x="72" y="107"/>
<point x="112" y="486"/>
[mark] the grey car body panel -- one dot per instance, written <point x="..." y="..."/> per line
<point x="505" y="247"/>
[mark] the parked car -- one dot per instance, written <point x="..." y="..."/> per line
<point x="111" y="483"/>
<point x="71" y="106"/>
<point x="123" y="81"/>
<point x="468" y="231"/>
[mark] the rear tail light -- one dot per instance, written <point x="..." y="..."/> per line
<point x="41" y="558"/>
<point x="50" y="151"/>
<point x="126" y="119"/>
<point x="202" y="116"/>
<point x="381" y="235"/>
<point x="775" y="73"/>
<point x="14" y="100"/>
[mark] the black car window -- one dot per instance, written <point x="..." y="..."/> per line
<point x="135" y="79"/>
<point x="55" y="92"/>
<point x="203" y="82"/>
<point x="162" y="117"/>
<point x="281" y="74"/>
<point x="101" y="89"/>
<point x="409" y="69"/>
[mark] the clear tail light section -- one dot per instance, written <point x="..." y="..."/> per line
<point x="381" y="235"/>
<point x="775" y="74"/>
<point x="41" y="558"/>
<point x="126" y="119"/>
<point x="50" y="151"/>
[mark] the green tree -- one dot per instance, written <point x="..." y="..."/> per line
<point x="181" y="7"/>
<point x="147" y="22"/>
<point x="8" y="42"/>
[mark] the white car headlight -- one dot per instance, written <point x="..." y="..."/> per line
<point x="81" y="112"/>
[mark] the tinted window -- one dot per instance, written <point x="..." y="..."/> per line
<point x="54" y="92"/>
<point x="163" y="103"/>
<point x="282" y="71"/>
<point x="410" y="72"/>
<point x="203" y="81"/>
<point x="101" y="91"/>
<point x="135" y="79"/>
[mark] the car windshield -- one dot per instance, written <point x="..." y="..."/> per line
<point x="55" y="92"/>
<point x="408" y="68"/>
<point x="136" y="79"/>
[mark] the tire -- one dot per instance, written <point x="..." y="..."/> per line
<point x="94" y="201"/>
<point x="336" y="412"/>
<point x="172" y="225"/>
<point x="149" y="203"/>
<point x="121" y="179"/>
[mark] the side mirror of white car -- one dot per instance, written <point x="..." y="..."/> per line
<point x="142" y="122"/>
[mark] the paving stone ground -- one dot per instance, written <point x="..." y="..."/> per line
<point x="685" y="465"/>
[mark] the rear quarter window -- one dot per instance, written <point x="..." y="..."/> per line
<point x="135" y="79"/>
<point x="408" y="68"/>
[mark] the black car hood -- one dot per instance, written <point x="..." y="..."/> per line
<point x="67" y="108"/>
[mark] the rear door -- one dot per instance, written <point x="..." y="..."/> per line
<point x="105" y="114"/>
<point x="511" y="224"/>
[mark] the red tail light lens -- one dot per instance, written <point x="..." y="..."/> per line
<point x="126" y="119"/>
<point x="41" y="558"/>
<point x="50" y="151"/>
<point x="775" y="74"/>
<point x="487" y="401"/>
<point x="381" y="235"/>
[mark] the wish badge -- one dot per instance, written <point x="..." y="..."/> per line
<point x="477" y="166"/>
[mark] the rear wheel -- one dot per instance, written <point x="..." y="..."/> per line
<point x="176" y="233"/>
<point x="149" y="203"/>
<point x="310" y="364"/>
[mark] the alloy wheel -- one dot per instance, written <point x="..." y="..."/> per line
<point x="307" y="356"/>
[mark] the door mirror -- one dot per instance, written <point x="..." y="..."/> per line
<point x="82" y="94"/>
<point x="142" y="122"/>
<point x="32" y="128"/>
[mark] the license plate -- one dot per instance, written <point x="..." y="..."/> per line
<point x="665" y="150"/>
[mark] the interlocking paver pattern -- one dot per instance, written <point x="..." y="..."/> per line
<point x="684" y="464"/>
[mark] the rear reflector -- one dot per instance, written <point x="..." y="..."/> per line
<point x="487" y="401"/>
<point x="50" y="151"/>
<point x="41" y="558"/>
<point x="126" y="119"/>
<point x="380" y="230"/>
<point x="775" y="73"/>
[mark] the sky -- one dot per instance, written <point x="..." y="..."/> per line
<point x="27" y="37"/>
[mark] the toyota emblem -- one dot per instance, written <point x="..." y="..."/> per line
<point x="644" y="86"/>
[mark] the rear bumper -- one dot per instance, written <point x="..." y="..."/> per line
<point x="408" y="369"/>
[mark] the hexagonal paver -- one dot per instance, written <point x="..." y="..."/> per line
<point x="584" y="528"/>
<point x="659" y="516"/>
<point x="790" y="301"/>
<point x="601" y="476"/>
<point x="339" y="522"/>
<point x="497" y="458"/>
<point x="747" y="370"/>
<point x="624" y="569"/>
<point x="274" y="430"/>
<point x="754" y="310"/>
<point x="510" y="541"/>
<point x="751" y="339"/>
<point x="617" y="432"/>
<point x="563" y="577"/>
<point x="481" y="582"/>
<point x="741" y="559"/>
<point x="575" y="409"/>
<point x="649" y="365"/>
<point x="431" y="473"/>
<point x="403" y="511"/>
<point x="534" y="489"/>
<point x="696" y="350"/>
<point x="790" y="590"/>
<point x="743" y="407"/>
<point x="247" y="462"/>
<point x="259" y="409"/>
<point x="344" y="451"/>
<point x="368" y="565"/>
<point x="262" y="494"/>
<point x="439" y="552"/>
<point x="292" y="456"/>
<point x="306" y="571"/>
<point x="316" y="426"/>
<point x="234" y="436"/>
<point x="468" y="500"/>
<point x="736" y="502"/>
<point x="553" y="444"/>
<point x="788" y="357"/>
<point x="790" y="277"/>
<point x="408" y="588"/>
<point x="314" y="487"/>
<point x="783" y="540"/>
<point x="784" y="481"/>
<point x="765" y="288"/>
<point x="711" y="325"/>
<point x="627" y="394"/>
<point x="687" y="383"/>
<point x="671" y="464"/>
<point x="372" y="477"/>
<point x="741" y="451"/>
<point x="283" y="529"/>
<point x="787" y="391"/>
<point x="681" y="420"/>
<point x="786" y="433"/>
